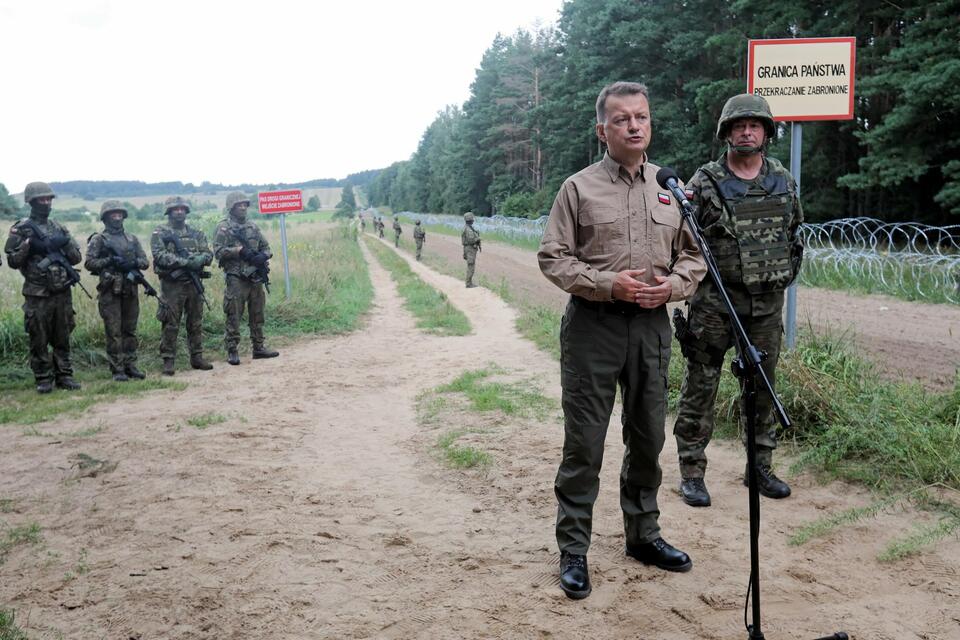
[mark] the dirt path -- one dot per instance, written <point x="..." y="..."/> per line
<point x="907" y="340"/>
<point x="317" y="510"/>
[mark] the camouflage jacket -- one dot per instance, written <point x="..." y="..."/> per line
<point x="419" y="233"/>
<point x="229" y="238"/>
<point x="720" y="229"/>
<point x="40" y="277"/>
<point x="396" y="228"/>
<point x="168" y="264"/>
<point x="99" y="259"/>
<point x="469" y="237"/>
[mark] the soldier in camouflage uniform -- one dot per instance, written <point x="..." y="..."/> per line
<point x="379" y="225"/>
<point x="48" y="315"/>
<point x="750" y="215"/>
<point x="181" y="296"/>
<point x="470" y="238"/>
<point x="243" y="252"/>
<point x="111" y="254"/>
<point x="397" y="230"/>
<point x="419" y="235"/>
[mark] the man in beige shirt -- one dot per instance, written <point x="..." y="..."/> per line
<point x="616" y="243"/>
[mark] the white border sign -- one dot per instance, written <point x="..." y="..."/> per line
<point x="804" y="78"/>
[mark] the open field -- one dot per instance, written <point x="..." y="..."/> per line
<point x="381" y="484"/>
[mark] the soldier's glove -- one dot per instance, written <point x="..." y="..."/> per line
<point x="246" y="254"/>
<point x="195" y="263"/>
<point x="259" y="259"/>
<point x="38" y="246"/>
<point x="122" y="264"/>
<point x="57" y="241"/>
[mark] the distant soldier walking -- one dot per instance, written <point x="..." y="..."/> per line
<point x="45" y="253"/>
<point x="750" y="214"/>
<point x="419" y="235"/>
<point x="112" y="254"/>
<point x="397" y="230"/>
<point x="379" y="224"/>
<point x="470" y="238"/>
<point x="243" y="253"/>
<point x="180" y="254"/>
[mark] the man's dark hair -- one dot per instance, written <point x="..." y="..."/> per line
<point x="620" y="88"/>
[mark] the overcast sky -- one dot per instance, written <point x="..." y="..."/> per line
<point x="234" y="91"/>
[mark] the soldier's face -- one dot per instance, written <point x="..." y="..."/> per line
<point x="115" y="217"/>
<point x="627" y="129"/>
<point x="178" y="215"/>
<point x="240" y="209"/>
<point x="747" y="132"/>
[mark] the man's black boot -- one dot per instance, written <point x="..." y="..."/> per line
<point x="68" y="383"/>
<point x="768" y="484"/>
<point x="662" y="554"/>
<point x="133" y="372"/>
<point x="694" y="492"/>
<point x="120" y="376"/>
<point x="45" y="386"/>
<point x="233" y="357"/>
<point x="574" y="575"/>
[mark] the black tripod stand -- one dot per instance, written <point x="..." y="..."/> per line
<point x="746" y="367"/>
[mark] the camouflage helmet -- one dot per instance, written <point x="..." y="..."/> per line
<point x="37" y="190"/>
<point x="468" y="216"/>
<point x="235" y="197"/>
<point x="418" y="222"/>
<point x="175" y="201"/>
<point x="112" y="205"/>
<point x="746" y="105"/>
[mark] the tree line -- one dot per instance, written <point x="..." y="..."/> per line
<point x="529" y="120"/>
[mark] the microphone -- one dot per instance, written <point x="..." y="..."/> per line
<point x="668" y="179"/>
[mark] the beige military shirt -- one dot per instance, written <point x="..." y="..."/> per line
<point x="604" y="221"/>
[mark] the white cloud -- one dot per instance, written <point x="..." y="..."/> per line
<point x="233" y="91"/>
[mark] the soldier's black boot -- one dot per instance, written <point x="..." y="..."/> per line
<point x="120" y="376"/>
<point x="133" y="372"/>
<point x="660" y="553"/>
<point x="694" y="492"/>
<point x="768" y="484"/>
<point x="574" y="575"/>
<point x="233" y="357"/>
<point x="44" y="386"/>
<point x="168" y="366"/>
<point x="261" y="351"/>
<point x="197" y="362"/>
<point x="68" y="383"/>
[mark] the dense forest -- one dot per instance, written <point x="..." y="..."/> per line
<point x="529" y="120"/>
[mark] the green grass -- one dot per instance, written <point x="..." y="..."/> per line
<point x="922" y="536"/>
<point x="511" y="399"/>
<point x="331" y="290"/>
<point x="432" y="310"/>
<point x="827" y="276"/>
<point x="8" y="628"/>
<point x="462" y="457"/>
<point x="204" y="420"/>
<point x="831" y="522"/>
<point x="522" y="242"/>
<point x="17" y="536"/>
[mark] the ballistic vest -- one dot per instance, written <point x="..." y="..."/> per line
<point x="755" y="251"/>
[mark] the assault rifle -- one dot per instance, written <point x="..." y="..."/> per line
<point x="263" y="269"/>
<point x="133" y="274"/>
<point x="52" y="255"/>
<point x="193" y="276"/>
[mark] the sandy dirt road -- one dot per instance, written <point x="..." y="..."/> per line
<point x="318" y="509"/>
<point x="907" y="340"/>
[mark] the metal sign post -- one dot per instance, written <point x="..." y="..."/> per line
<point x="796" y="141"/>
<point x="282" y="202"/>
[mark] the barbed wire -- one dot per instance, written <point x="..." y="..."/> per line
<point x="909" y="259"/>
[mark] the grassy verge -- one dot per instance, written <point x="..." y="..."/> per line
<point x="17" y="536"/>
<point x="331" y="290"/>
<point x="8" y="628"/>
<point x="486" y="397"/>
<point x="522" y="242"/>
<point x="433" y="312"/>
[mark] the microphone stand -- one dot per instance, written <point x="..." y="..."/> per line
<point x="746" y="367"/>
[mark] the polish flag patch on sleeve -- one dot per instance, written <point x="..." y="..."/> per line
<point x="663" y="198"/>
<point x="688" y="193"/>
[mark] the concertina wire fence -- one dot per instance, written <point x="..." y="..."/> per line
<point x="908" y="259"/>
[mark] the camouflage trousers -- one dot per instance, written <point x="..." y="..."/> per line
<point x="695" y="410"/>
<point x="49" y="321"/>
<point x="470" y="255"/>
<point x="419" y="247"/>
<point x="241" y="292"/>
<point x="396" y="240"/>
<point x="600" y="350"/>
<point x="182" y="299"/>
<point x="120" y="314"/>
